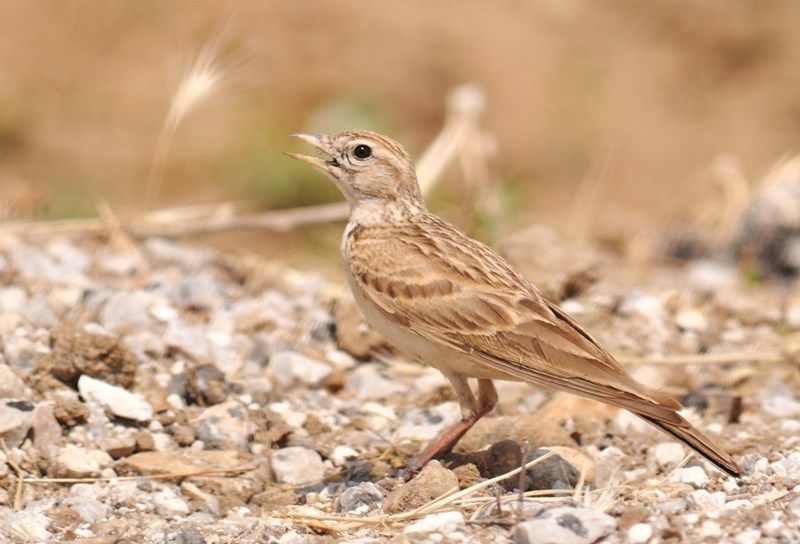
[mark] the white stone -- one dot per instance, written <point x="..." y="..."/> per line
<point x="342" y="454"/>
<point x="368" y="384"/>
<point x="115" y="400"/>
<point x="76" y="462"/>
<point x="691" y="320"/>
<point x="607" y="464"/>
<point x="287" y="368"/>
<point x="694" y="476"/>
<point x="748" y="536"/>
<point x="168" y="504"/>
<point x="442" y="522"/>
<point x="296" y="465"/>
<point x="640" y="533"/>
<point x="709" y="503"/>
<point x="710" y="528"/>
<point x="424" y="424"/>
<point x="668" y="453"/>
<point x="780" y="406"/>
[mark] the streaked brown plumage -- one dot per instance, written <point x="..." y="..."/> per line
<point x="455" y="304"/>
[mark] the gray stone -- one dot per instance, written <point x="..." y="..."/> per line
<point x="287" y="368"/>
<point x="565" y="525"/>
<point x="432" y="481"/>
<point x="16" y="419"/>
<point x="781" y="406"/>
<point x="126" y="312"/>
<point x="20" y="351"/>
<point x="115" y="400"/>
<point x="668" y="454"/>
<point x="198" y="291"/>
<point x="423" y="424"/>
<point x="11" y="385"/>
<point x="88" y="508"/>
<point x="186" y="536"/>
<point x="69" y="257"/>
<point x="189" y="339"/>
<point x="559" y="471"/>
<point x="296" y="465"/>
<point x="33" y="265"/>
<point x="367" y="384"/>
<point x="359" y="499"/>
<point x="607" y="465"/>
<point x="224" y="426"/>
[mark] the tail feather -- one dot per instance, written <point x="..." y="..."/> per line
<point x="698" y="441"/>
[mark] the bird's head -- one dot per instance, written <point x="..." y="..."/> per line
<point x="364" y="165"/>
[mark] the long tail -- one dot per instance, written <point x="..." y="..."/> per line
<point x="698" y="441"/>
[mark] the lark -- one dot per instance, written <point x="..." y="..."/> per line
<point x="453" y="303"/>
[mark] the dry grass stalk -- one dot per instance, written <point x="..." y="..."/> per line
<point x="710" y="359"/>
<point x="17" y="504"/>
<point x="457" y="138"/>
<point x="337" y="522"/>
<point x="167" y="476"/>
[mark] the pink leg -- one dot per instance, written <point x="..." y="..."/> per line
<point x="472" y="412"/>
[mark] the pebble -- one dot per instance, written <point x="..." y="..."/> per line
<point x="11" y="385"/>
<point x="668" y="454"/>
<point x="694" y="476"/>
<point x="287" y="369"/>
<point x="126" y="312"/>
<point x="441" y="522"/>
<point x="780" y="406"/>
<point x="748" y="536"/>
<point x="89" y="509"/>
<point x="639" y="533"/>
<point x="565" y="525"/>
<point x="189" y="339"/>
<point x="296" y="465"/>
<point x="168" y="504"/>
<point x="559" y="471"/>
<point x="341" y="454"/>
<point x="115" y="400"/>
<point x="708" y="503"/>
<point x="46" y="430"/>
<point x="431" y="482"/>
<point x="366" y="383"/>
<point x="607" y="465"/>
<point x="16" y="420"/>
<point x="691" y="320"/>
<point x="423" y="424"/>
<point x="224" y="426"/>
<point x="78" y="462"/>
<point x="359" y="499"/>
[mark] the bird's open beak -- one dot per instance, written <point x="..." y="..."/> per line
<point x="316" y="141"/>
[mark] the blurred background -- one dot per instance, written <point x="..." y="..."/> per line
<point x="641" y="98"/>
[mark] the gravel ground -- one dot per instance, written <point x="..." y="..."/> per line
<point x="169" y="393"/>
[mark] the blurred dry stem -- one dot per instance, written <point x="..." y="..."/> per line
<point x="461" y="139"/>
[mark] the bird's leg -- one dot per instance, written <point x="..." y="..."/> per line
<point x="471" y="411"/>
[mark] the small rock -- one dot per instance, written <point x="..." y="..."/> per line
<point x="46" y="430"/>
<point x="432" y="481"/>
<point x="707" y="502"/>
<point x="287" y="368"/>
<point x="189" y="339"/>
<point x="297" y="466"/>
<point x="16" y="419"/>
<point x="359" y="499"/>
<point x="559" y="471"/>
<point x="168" y="504"/>
<point x="127" y="312"/>
<point x="119" y="446"/>
<point x="668" y="454"/>
<point x="780" y="406"/>
<point x="441" y="522"/>
<point x="88" y="508"/>
<point x="366" y="383"/>
<point x="77" y="352"/>
<point x="565" y="525"/>
<point x="186" y="536"/>
<point x="115" y="400"/>
<point x="748" y="536"/>
<point x="691" y="320"/>
<point x="76" y="462"/>
<point x="11" y="385"/>
<point x="224" y="426"/>
<point x="424" y="424"/>
<point x="69" y="412"/>
<point x="341" y="454"/>
<point x="153" y="463"/>
<point x="639" y="533"/>
<point x="607" y="465"/>
<point x="25" y="526"/>
<point x="694" y="476"/>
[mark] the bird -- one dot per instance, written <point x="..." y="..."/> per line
<point x="453" y="303"/>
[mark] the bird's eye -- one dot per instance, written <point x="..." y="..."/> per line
<point x="362" y="151"/>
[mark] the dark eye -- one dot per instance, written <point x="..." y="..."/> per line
<point x="362" y="151"/>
